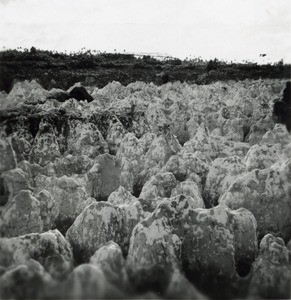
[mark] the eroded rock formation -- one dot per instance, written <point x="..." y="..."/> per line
<point x="144" y="191"/>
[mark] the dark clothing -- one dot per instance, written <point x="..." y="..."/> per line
<point x="282" y="108"/>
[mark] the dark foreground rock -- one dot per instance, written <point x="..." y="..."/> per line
<point x="49" y="248"/>
<point x="79" y="93"/>
<point x="271" y="275"/>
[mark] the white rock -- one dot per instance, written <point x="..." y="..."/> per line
<point x="85" y="139"/>
<point x="263" y="156"/>
<point x="70" y="197"/>
<point x="26" y="91"/>
<point x="270" y="275"/>
<point x="121" y="196"/>
<point x="202" y="141"/>
<point x="187" y="165"/>
<point x="115" y="134"/>
<point x="217" y="239"/>
<point x="104" y="177"/>
<point x="154" y="253"/>
<point x="21" y="215"/>
<point x="159" y="185"/>
<point x="13" y="181"/>
<point x="278" y="135"/>
<point x="222" y="173"/>
<point x="7" y="155"/>
<point x="160" y="150"/>
<point x="265" y="194"/>
<point x="191" y="189"/>
<point x="100" y="223"/>
<point x="45" y="147"/>
<point x="110" y="260"/>
<point x="49" y="248"/>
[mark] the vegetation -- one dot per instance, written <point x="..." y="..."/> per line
<point x="91" y="67"/>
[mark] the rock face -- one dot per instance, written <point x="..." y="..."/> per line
<point x="58" y="94"/>
<point x="278" y="134"/>
<point x="70" y="198"/>
<point x="185" y="230"/>
<point x="187" y="166"/>
<point x="110" y="260"/>
<point x="202" y="141"/>
<point x="265" y="194"/>
<point x="93" y="228"/>
<point x="144" y="191"/>
<point x="270" y="275"/>
<point x="190" y="189"/>
<point x="115" y="135"/>
<point x="104" y="177"/>
<point x="26" y="92"/>
<point x="49" y="248"/>
<point x="179" y="287"/>
<point x="17" y="283"/>
<point x="131" y="155"/>
<point x="100" y="223"/>
<point x="154" y="253"/>
<point x="87" y="282"/>
<point x="85" y="139"/>
<point x="121" y="196"/>
<point x="21" y="215"/>
<point x="12" y="182"/>
<point x="159" y="185"/>
<point x="222" y="173"/>
<point x="45" y="147"/>
<point x="221" y="242"/>
<point x="262" y="156"/>
<point x="71" y="165"/>
<point x="7" y="155"/>
<point x="160" y="150"/>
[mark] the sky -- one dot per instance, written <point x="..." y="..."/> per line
<point x="226" y="29"/>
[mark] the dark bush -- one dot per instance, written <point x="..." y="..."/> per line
<point x="213" y="65"/>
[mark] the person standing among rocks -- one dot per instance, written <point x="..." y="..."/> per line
<point x="282" y="108"/>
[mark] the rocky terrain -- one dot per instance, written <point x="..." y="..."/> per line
<point x="144" y="191"/>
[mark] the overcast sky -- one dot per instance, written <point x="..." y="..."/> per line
<point x="227" y="29"/>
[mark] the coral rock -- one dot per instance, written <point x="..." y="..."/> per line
<point x="85" y="139"/>
<point x="222" y="173"/>
<point x="100" y="223"/>
<point x="187" y="165"/>
<point x="58" y="94"/>
<point x="154" y="253"/>
<point x="262" y="156"/>
<point x="87" y="282"/>
<point x="104" y="177"/>
<point x="110" y="260"/>
<point x="70" y="197"/>
<point x="189" y="188"/>
<point x="265" y="194"/>
<point x="159" y="185"/>
<point x="270" y="275"/>
<point x="12" y="182"/>
<point x="45" y="147"/>
<point x="220" y="243"/>
<point x="49" y="248"/>
<point x="21" y="215"/>
<point x="27" y="281"/>
<point x="7" y="155"/>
